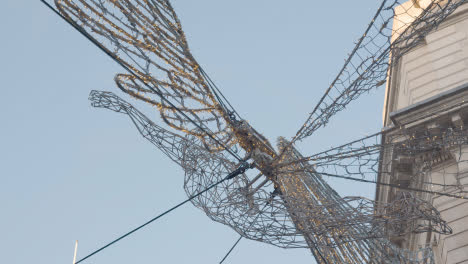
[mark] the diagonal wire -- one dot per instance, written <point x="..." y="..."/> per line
<point x="230" y="250"/>
<point x="241" y="169"/>
<point x="240" y="237"/>
<point x="237" y="242"/>
<point x="398" y="186"/>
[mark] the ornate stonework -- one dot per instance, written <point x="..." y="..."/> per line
<point x="428" y="93"/>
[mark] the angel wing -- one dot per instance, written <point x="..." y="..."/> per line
<point x="243" y="203"/>
<point x="382" y="44"/>
<point x="372" y="159"/>
<point x="147" y="38"/>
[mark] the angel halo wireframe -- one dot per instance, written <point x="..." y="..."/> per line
<point x="283" y="199"/>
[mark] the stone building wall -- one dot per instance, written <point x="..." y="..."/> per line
<point x="428" y="89"/>
<point x="438" y="65"/>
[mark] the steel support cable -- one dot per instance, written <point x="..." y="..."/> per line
<point x="231" y="111"/>
<point x="216" y="90"/>
<point x="398" y="186"/>
<point x="241" y="169"/>
<point x="384" y="131"/>
<point x="96" y="43"/>
<point x="230" y="250"/>
<point x="240" y="237"/>
<point x="313" y="157"/>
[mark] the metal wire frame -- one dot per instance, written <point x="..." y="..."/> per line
<point x="304" y="213"/>
<point x="146" y="37"/>
<point x="381" y="46"/>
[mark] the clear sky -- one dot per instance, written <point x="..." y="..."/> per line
<point x="69" y="171"/>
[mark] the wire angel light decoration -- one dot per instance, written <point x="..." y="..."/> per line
<point x="283" y="198"/>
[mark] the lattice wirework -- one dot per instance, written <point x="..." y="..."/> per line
<point x="415" y="152"/>
<point x="284" y="200"/>
<point x="251" y="206"/>
<point x="380" y="47"/>
<point x="146" y="37"/>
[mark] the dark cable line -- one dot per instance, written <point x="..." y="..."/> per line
<point x="241" y="169"/>
<point x="230" y="250"/>
<point x="393" y="185"/>
<point x="200" y="126"/>
<point x="255" y="219"/>
<point x="239" y="239"/>
<point x="216" y="90"/>
<point x="96" y="43"/>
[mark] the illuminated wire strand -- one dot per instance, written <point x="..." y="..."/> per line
<point x="96" y="43"/>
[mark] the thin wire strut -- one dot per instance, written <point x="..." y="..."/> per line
<point x="241" y="169"/>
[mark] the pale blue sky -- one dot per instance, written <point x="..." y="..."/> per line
<point x="69" y="171"/>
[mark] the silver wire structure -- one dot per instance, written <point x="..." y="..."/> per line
<point x="285" y="200"/>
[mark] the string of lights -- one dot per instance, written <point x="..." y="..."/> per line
<point x="136" y="75"/>
<point x="145" y="37"/>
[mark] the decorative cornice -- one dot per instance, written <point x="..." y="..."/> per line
<point x="393" y="78"/>
<point x="433" y="107"/>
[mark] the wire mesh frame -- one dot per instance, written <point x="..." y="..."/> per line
<point x="429" y="20"/>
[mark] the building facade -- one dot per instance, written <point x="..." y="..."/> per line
<point x="427" y="94"/>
